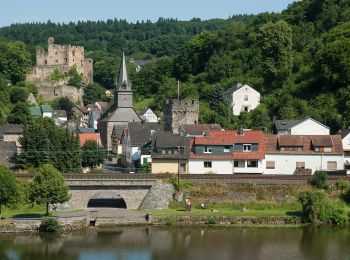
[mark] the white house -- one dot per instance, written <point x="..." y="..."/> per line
<point x="306" y="126"/>
<point x="301" y="154"/>
<point x="242" y="98"/>
<point x="228" y="152"/>
<point x="345" y="134"/>
<point x="148" y="115"/>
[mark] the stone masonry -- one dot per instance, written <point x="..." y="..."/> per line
<point x="179" y="112"/>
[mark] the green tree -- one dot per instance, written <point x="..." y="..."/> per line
<point x="20" y="114"/>
<point x="64" y="103"/>
<point x="275" y="40"/>
<point x="75" y="79"/>
<point x="94" y="92"/>
<point x="48" y="187"/>
<point x="93" y="155"/>
<point x="9" y="194"/>
<point x="19" y="94"/>
<point x="57" y="75"/>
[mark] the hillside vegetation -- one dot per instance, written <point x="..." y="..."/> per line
<point x="298" y="59"/>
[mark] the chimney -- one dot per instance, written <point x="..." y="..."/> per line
<point x="241" y="132"/>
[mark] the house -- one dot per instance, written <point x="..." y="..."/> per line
<point x="170" y="153"/>
<point x="190" y="130"/>
<point x="117" y="134"/>
<point x="84" y="137"/>
<point x="11" y="133"/>
<point x="148" y="115"/>
<point x="41" y="111"/>
<point x="95" y="112"/>
<point x="306" y="126"/>
<point x="8" y="153"/>
<point x="242" y="98"/>
<point x="136" y="136"/>
<point x="228" y="152"/>
<point x="120" y="110"/>
<point x="298" y="154"/>
<point x="81" y="113"/>
<point x="60" y="117"/>
<point x="345" y="134"/>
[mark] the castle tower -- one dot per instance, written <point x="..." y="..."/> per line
<point x="180" y="112"/>
<point x="123" y="86"/>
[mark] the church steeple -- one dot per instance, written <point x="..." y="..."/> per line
<point x="123" y="87"/>
<point x="123" y="82"/>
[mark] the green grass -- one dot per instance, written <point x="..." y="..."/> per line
<point x="24" y="209"/>
<point x="225" y="212"/>
<point x="143" y="103"/>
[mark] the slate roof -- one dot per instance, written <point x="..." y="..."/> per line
<point x="165" y="139"/>
<point x="236" y="87"/>
<point x="11" y="129"/>
<point x="140" y="133"/>
<point x="272" y="145"/>
<point x="82" y="109"/>
<point x="86" y="130"/>
<point x="7" y="153"/>
<point x="283" y="125"/>
<point x="199" y="129"/>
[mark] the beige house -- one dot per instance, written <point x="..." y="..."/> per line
<point x="170" y="153"/>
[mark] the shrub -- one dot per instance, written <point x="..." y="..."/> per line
<point x="183" y="184"/>
<point x="317" y="208"/>
<point x="319" y="179"/>
<point x="211" y="221"/>
<point x="346" y="196"/>
<point x="49" y="225"/>
<point x="342" y="184"/>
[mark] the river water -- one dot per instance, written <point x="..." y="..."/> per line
<point x="142" y="243"/>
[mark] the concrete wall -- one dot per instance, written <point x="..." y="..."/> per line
<point x="196" y="166"/>
<point x="309" y="127"/>
<point x="286" y="164"/>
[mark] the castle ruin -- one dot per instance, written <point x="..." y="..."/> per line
<point x="180" y="112"/>
<point x="61" y="57"/>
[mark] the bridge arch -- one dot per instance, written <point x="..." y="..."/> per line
<point x="106" y="199"/>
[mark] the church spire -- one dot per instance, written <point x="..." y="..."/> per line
<point x="123" y="82"/>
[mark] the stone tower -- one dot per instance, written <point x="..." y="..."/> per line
<point x="179" y="112"/>
<point x="123" y="86"/>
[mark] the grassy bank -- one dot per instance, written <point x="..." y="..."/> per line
<point x="23" y="210"/>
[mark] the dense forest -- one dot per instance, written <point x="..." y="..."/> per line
<point x="298" y="59"/>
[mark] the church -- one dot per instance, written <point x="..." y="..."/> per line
<point x="119" y="111"/>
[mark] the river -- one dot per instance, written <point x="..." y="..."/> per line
<point x="144" y="243"/>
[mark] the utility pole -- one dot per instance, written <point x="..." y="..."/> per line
<point x="178" y="167"/>
<point x="178" y="89"/>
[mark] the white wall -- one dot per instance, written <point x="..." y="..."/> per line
<point x="309" y="127"/>
<point x="196" y="166"/>
<point x="151" y="116"/>
<point x="286" y="163"/>
<point x="238" y="102"/>
<point x="346" y="143"/>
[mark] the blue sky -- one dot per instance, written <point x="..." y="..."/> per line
<point x="19" y="11"/>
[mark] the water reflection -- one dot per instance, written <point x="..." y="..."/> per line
<point x="181" y="243"/>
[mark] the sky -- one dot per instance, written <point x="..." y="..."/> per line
<point x="20" y="11"/>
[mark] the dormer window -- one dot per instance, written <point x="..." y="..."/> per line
<point x="247" y="148"/>
<point x="317" y="149"/>
<point x="207" y="149"/>
<point x="328" y="149"/>
<point x="227" y="149"/>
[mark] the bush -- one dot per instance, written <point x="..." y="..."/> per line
<point x="211" y="221"/>
<point x="346" y="196"/>
<point x="317" y="208"/>
<point x="183" y="184"/>
<point x="319" y="179"/>
<point x="49" y="225"/>
<point x="342" y="184"/>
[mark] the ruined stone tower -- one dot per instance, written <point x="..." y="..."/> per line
<point x="179" y="112"/>
<point x="61" y="57"/>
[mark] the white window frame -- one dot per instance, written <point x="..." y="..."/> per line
<point x="227" y="150"/>
<point x="270" y="166"/>
<point x="247" y="145"/>
<point x="257" y="163"/>
<point x="300" y="165"/>
<point x="207" y="149"/>
<point x="336" y="165"/>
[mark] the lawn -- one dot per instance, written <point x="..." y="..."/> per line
<point x="225" y="212"/>
<point x="143" y="103"/>
<point x="24" y="209"/>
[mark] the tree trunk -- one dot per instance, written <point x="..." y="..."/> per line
<point x="47" y="209"/>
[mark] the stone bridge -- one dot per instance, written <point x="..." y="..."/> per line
<point x="131" y="191"/>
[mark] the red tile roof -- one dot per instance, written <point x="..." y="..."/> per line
<point x="84" y="137"/>
<point x="230" y="138"/>
<point x="272" y="146"/>
<point x="290" y="140"/>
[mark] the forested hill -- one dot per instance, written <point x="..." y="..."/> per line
<point x="299" y="60"/>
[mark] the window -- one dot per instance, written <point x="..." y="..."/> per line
<point x="328" y="149"/>
<point x="227" y="149"/>
<point x="247" y="148"/>
<point x="163" y="151"/>
<point x="331" y="165"/>
<point x="300" y="165"/>
<point x="246" y="109"/>
<point x="270" y="164"/>
<point x="300" y="148"/>
<point x="207" y="149"/>
<point x="282" y="148"/>
<point x="317" y="149"/>
<point x="245" y="97"/>
<point x="144" y="161"/>
<point x="239" y="164"/>
<point x="207" y="164"/>
<point x="65" y="60"/>
<point x="252" y="164"/>
<point x="291" y="148"/>
<point x="182" y="167"/>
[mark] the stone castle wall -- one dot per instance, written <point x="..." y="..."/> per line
<point x="179" y="112"/>
<point x="58" y="91"/>
<point x="61" y="57"/>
